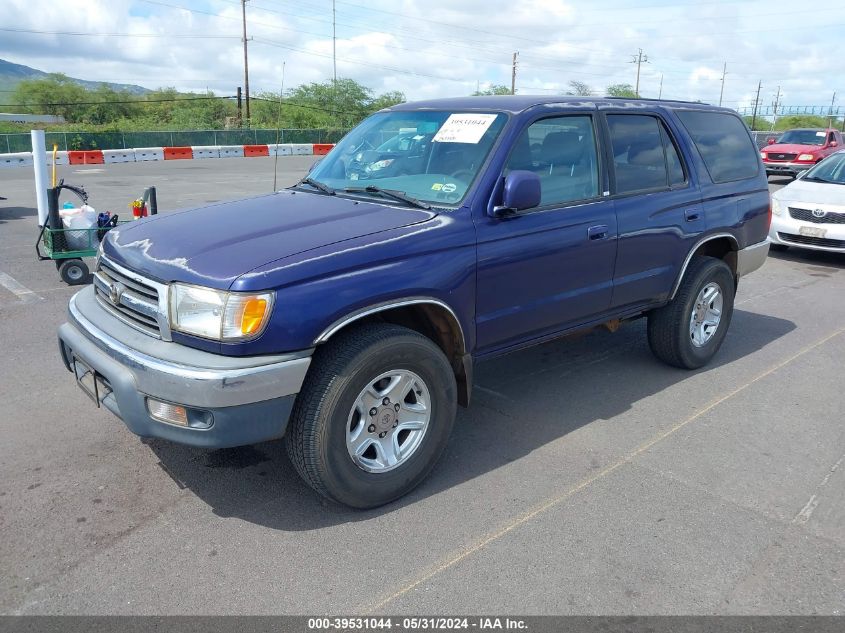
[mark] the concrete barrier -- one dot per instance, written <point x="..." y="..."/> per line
<point x="256" y="150"/>
<point x="118" y="156"/>
<point x="206" y="151"/>
<point x="231" y="151"/>
<point x="302" y="149"/>
<point x="149" y="153"/>
<point x="279" y="149"/>
<point x="321" y="149"/>
<point x="61" y="158"/>
<point x="16" y="159"/>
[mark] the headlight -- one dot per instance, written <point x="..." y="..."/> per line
<point x="777" y="209"/>
<point x="806" y="157"/>
<point x="763" y="155"/>
<point x="219" y="315"/>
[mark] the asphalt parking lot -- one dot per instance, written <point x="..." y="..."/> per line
<point x="586" y="477"/>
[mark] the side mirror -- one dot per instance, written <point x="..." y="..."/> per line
<point x="314" y="164"/>
<point x="521" y="191"/>
<point x="771" y="140"/>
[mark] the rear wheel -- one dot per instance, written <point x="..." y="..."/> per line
<point x="689" y="330"/>
<point x="73" y="272"/>
<point x="373" y="416"/>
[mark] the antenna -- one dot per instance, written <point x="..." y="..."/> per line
<point x="278" y="127"/>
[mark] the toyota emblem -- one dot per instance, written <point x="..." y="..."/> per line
<point x="819" y="213"/>
<point x="115" y="292"/>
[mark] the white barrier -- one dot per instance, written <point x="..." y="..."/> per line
<point x="149" y="153"/>
<point x="17" y="159"/>
<point x="231" y="151"/>
<point x="206" y="151"/>
<point x="301" y="149"/>
<point x="118" y="156"/>
<point x="280" y="149"/>
<point x="61" y="158"/>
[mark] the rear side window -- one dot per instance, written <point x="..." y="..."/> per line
<point x="644" y="157"/>
<point x="724" y="144"/>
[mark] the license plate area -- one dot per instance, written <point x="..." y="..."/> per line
<point x="92" y="383"/>
<point x="812" y="231"/>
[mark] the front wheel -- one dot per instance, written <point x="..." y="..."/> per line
<point x="373" y="416"/>
<point x="73" y="271"/>
<point x="688" y="331"/>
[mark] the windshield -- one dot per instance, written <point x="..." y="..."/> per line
<point x="832" y="170"/>
<point x="803" y="137"/>
<point x="429" y="156"/>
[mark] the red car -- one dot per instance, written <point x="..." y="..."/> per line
<point x="798" y="150"/>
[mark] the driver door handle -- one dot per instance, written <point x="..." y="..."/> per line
<point x="597" y="232"/>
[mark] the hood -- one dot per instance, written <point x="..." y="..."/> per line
<point x="790" y="148"/>
<point x="813" y="194"/>
<point x="212" y="246"/>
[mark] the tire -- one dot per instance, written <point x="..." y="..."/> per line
<point x="321" y="436"/>
<point x="670" y="333"/>
<point x="780" y="248"/>
<point x="73" y="272"/>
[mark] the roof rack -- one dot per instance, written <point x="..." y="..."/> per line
<point x="651" y="99"/>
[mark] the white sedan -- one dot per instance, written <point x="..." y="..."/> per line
<point x="810" y="211"/>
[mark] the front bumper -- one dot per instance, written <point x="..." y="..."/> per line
<point x="786" y="169"/>
<point x="230" y="401"/>
<point x="786" y="231"/>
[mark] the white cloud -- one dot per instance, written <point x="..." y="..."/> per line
<point x="430" y="48"/>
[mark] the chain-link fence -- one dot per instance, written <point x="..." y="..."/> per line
<point x="127" y="140"/>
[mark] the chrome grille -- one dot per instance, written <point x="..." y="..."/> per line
<point x="812" y="241"/>
<point x="778" y="156"/>
<point x="806" y="215"/>
<point x="131" y="298"/>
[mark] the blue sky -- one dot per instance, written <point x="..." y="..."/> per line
<point x="429" y="48"/>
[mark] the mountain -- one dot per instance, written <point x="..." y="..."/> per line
<point x="11" y="74"/>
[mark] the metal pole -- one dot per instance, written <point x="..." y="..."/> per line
<point x="660" y="93"/>
<point x="722" y="92"/>
<point x="756" y="103"/>
<point x="39" y="162"/>
<point x="513" y="73"/>
<point x="246" y="63"/>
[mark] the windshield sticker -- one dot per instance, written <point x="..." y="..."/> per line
<point x="449" y="187"/>
<point x="820" y="133"/>
<point x="464" y="128"/>
<point x="437" y="186"/>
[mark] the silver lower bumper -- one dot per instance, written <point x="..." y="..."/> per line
<point x="751" y="258"/>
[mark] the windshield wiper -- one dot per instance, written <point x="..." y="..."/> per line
<point x="817" y="179"/>
<point x="390" y="193"/>
<point x="317" y="185"/>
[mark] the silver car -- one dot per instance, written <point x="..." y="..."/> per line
<point x="810" y="212"/>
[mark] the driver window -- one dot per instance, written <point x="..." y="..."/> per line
<point x="562" y="152"/>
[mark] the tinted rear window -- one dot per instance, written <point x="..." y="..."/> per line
<point x="724" y="144"/>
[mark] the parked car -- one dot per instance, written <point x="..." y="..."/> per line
<point x="348" y="316"/>
<point x="810" y="212"/>
<point x="798" y="150"/>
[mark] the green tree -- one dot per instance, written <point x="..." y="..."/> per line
<point x="621" y="90"/>
<point x="55" y="94"/>
<point x="494" y="89"/>
<point x="109" y="106"/>
<point x="579" y="88"/>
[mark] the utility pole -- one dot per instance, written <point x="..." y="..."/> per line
<point x="830" y="112"/>
<point x="660" y="92"/>
<point x="240" y="108"/>
<point x="722" y="92"/>
<point x="334" y="42"/>
<point x="246" y="63"/>
<point x="513" y="73"/>
<point x="777" y="100"/>
<point x="639" y="60"/>
<point x="756" y="103"/>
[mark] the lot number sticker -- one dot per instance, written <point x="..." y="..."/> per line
<point x="464" y="128"/>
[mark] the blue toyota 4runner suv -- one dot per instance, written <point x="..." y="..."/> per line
<point x="346" y="313"/>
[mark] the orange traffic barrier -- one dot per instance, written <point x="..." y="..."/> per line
<point x="178" y="153"/>
<point x="320" y="149"/>
<point x="256" y="150"/>
<point x="88" y="157"/>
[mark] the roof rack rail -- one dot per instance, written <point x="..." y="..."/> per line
<point x="652" y="99"/>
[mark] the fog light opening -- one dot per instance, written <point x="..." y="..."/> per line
<point x="166" y="412"/>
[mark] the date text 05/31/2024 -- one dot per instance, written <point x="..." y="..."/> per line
<point x="415" y="623"/>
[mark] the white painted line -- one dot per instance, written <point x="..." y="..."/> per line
<point x="807" y="510"/>
<point x="23" y="293"/>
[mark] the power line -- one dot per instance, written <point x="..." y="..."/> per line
<point x="141" y="35"/>
<point x="109" y="102"/>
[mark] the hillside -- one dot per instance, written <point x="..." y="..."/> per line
<point x="11" y="74"/>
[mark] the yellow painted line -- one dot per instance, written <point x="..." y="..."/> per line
<point x="547" y="505"/>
